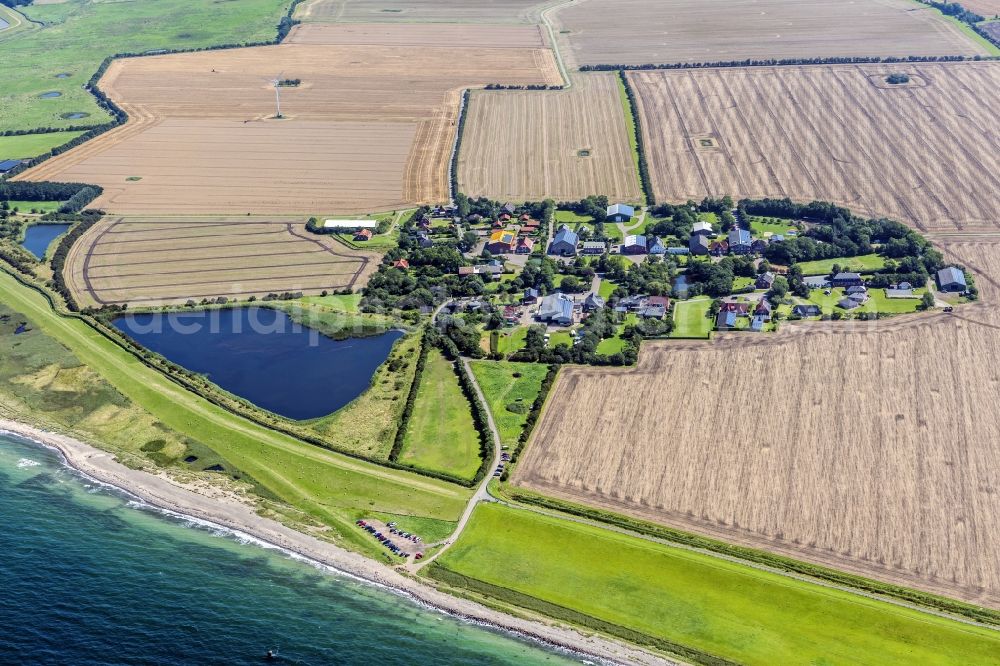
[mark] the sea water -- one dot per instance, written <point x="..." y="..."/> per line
<point x="89" y="576"/>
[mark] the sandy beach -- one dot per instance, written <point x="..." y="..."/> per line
<point x="228" y="512"/>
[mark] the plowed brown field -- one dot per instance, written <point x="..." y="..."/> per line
<point x="416" y="11"/>
<point x="526" y="145"/>
<point x="369" y="128"/>
<point x="927" y="153"/>
<point x="636" y="32"/>
<point x="871" y="448"/>
<point x="153" y="261"/>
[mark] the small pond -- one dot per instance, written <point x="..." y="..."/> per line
<point x="73" y="115"/>
<point x="38" y="237"/>
<point x="261" y="355"/>
<point x="63" y="75"/>
<point x="50" y="94"/>
<point x="681" y="285"/>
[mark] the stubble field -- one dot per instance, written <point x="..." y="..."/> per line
<point x="636" y="32"/>
<point x="153" y="261"/>
<point x="985" y="8"/>
<point x="871" y="448"/>
<point x="531" y="145"/>
<point x="417" y="11"/>
<point x="926" y="153"/>
<point x="369" y="128"/>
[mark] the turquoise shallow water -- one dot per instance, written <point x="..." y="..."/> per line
<point x="89" y="577"/>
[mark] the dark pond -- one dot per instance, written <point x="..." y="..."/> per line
<point x="74" y="115"/>
<point x="261" y="355"/>
<point x="63" y="75"/>
<point x="37" y="237"/>
<point x="681" y="285"/>
<point x="50" y="94"/>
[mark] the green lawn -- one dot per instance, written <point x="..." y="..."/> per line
<point x="569" y="217"/>
<point x="589" y="575"/>
<point x="877" y="302"/>
<point x="349" y="303"/>
<point x="75" y="36"/>
<point x="27" y="206"/>
<point x="762" y="225"/>
<point x="606" y="289"/>
<point x="509" y="340"/>
<point x="690" y="318"/>
<point x="742" y="283"/>
<point x="329" y="487"/>
<point x="860" y="264"/>
<point x="560" y="338"/>
<point x="30" y="145"/>
<point x="610" y="346"/>
<point x="441" y="435"/>
<point x="505" y="392"/>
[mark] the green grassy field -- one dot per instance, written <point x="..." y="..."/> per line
<point x="859" y="264"/>
<point x="560" y="338"/>
<point x="509" y="340"/>
<point x="328" y="487"/>
<point x="742" y="283"/>
<point x="350" y="303"/>
<point x="30" y="145"/>
<point x="591" y="576"/>
<point x="633" y="139"/>
<point x="28" y="206"/>
<point x="77" y="35"/>
<point x="761" y="225"/>
<point x="441" y="435"/>
<point x="877" y="302"/>
<point x="502" y="390"/>
<point x="690" y="318"/>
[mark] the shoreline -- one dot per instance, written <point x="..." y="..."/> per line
<point x="240" y="518"/>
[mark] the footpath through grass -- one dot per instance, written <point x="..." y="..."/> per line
<point x="77" y="35"/>
<point x="649" y="592"/>
<point x="441" y="435"/>
<point x="510" y="390"/>
<point x="330" y="487"/>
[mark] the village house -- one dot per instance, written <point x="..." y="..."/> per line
<point x="634" y="244"/>
<point x="655" y="307"/>
<point x="806" y="310"/>
<point x="699" y="244"/>
<point x="739" y="241"/>
<point x="564" y="242"/>
<point x="763" y="309"/>
<point x="765" y="280"/>
<point x="655" y="246"/>
<point x="757" y="323"/>
<point x="702" y="228"/>
<point x="525" y="245"/>
<point x="363" y="235"/>
<point x="402" y="264"/>
<point x="718" y="248"/>
<point x="593" y="302"/>
<point x="739" y="308"/>
<point x="620" y="213"/>
<point x="758" y="246"/>
<point x="725" y="320"/>
<point x="594" y="247"/>
<point x="508" y="209"/>
<point x="556" y="309"/>
<point x="531" y="295"/>
<point x="502" y="242"/>
<point x="951" y="279"/>
<point x="846" y="280"/>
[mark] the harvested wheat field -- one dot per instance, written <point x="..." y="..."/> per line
<point x="872" y="448"/>
<point x="531" y="145"/>
<point x="985" y="8"/>
<point x="636" y="32"/>
<point x="926" y="153"/>
<point x="422" y="35"/>
<point x="417" y="11"/>
<point x="153" y="261"/>
<point x="368" y="128"/>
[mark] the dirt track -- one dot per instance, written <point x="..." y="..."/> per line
<point x="369" y="128"/>
<point x="927" y="153"/>
<point x="871" y="448"/>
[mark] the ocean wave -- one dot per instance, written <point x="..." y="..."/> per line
<point x="27" y="462"/>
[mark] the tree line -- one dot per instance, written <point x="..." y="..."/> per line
<point x="781" y="62"/>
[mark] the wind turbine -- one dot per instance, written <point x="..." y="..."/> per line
<point x="276" y="82"/>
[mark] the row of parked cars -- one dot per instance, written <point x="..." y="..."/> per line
<point x="387" y="542"/>
<point x="504" y="459"/>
